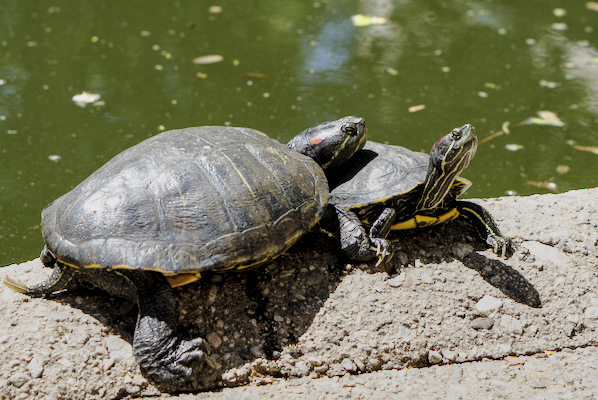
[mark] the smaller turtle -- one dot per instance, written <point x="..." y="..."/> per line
<point x="181" y="203"/>
<point x="387" y="187"/>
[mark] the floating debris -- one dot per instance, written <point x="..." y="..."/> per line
<point x="85" y="98"/>
<point x="544" y="118"/>
<point x="562" y="169"/>
<point x="559" y="12"/>
<point x="416" y="108"/>
<point x="255" y="75"/>
<point x="547" y="118"/>
<point x="543" y="185"/>
<point x="54" y="157"/>
<point x="392" y="71"/>
<point x="592" y="5"/>
<point x="367" y="20"/>
<point x="209" y="59"/>
<point x="559" y="26"/>
<point x="548" y="84"/>
<point x="514" y="147"/>
<point x="215" y="9"/>
<point x="591" y="149"/>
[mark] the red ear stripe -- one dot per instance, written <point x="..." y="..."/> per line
<point x="316" y="140"/>
<point x="442" y="139"/>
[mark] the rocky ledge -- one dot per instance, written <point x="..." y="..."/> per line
<point x="448" y="319"/>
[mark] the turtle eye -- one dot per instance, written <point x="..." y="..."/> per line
<point x="349" y="129"/>
<point x="456" y="134"/>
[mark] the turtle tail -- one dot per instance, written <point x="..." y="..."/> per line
<point x="59" y="279"/>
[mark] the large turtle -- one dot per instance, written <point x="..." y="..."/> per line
<point x="186" y="201"/>
<point x="387" y="187"/>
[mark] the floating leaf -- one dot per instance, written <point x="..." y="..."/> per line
<point x="85" y="98"/>
<point x="255" y="75"/>
<point x="544" y="118"/>
<point x="210" y="59"/>
<point x="559" y="12"/>
<point x="559" y="26"/>
<point x="591" y="149"/>
<point x="562" y="169"/>
<point x="592" y="5"/>
<point x="514" y="147"/>
<point x="392" y="71"/>
<point x="551" y="118"/>
<point x="543" y="185"/>
<point x="548" y="84"/>
<point x="417" y="108"/>
<point x="367" y="20"/>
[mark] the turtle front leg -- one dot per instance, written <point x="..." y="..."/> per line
<point x="165" y="354"/>
<point x="357" y="244"/>
<point x="486" y="227"/>
<point x="378" y="233"/>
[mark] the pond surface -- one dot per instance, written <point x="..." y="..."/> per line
<point x="414" y="72"/>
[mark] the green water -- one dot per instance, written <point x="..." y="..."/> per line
<point x="286" y="66"/>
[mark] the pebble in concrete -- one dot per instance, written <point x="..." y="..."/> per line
<point x="482" y="323"/>
<point x="488" y="306"/>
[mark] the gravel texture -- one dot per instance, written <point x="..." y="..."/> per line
<point x="447" y="319"/>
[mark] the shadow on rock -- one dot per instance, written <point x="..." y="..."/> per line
<point x="257" y="315"/>
<point x="504" y="278"/>
<point x="245" y="316"/>
<point x="458" y="241"/>
<point x="252" y="319"/>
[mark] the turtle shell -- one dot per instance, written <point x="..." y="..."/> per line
<point x="381" y="172"/>
<point x="189" y="200"/>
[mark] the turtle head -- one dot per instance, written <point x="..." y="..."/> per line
<point x="449" y="156"/>
<point x="331" y="143"/>
<point x="452" y="152"/>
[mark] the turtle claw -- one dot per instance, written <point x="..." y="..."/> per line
<point x="501" y="245"/>
<point x="179" y="368"/>
<point x="384" y="250"/>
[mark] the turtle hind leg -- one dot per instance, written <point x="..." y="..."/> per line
<point x="164" y="352"/>
<point x="60" y="279"/>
